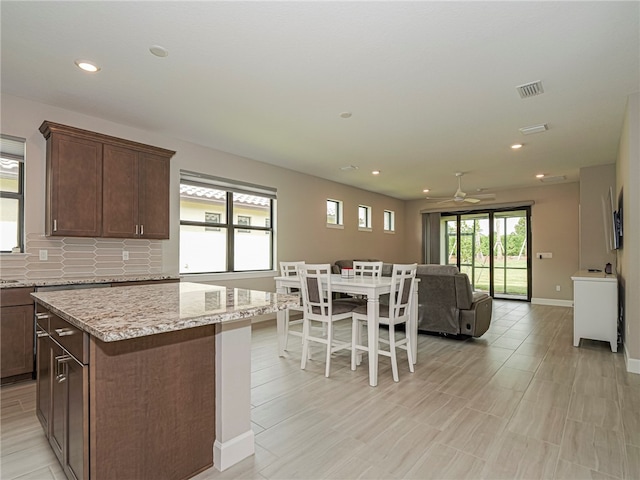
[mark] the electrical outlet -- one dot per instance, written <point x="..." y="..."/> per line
<point x="44" y="255"/>
<point x="125" y="255"/>
<point x="557" y="288"/>
<point x="541" y="255"/>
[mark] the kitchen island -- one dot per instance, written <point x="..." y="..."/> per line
<point x="148" y="381"/>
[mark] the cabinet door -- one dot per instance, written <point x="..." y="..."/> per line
<point x="74" y="186"/>
<point x="57" y="420"/>
<point x="43" y="381"/>
<point x="78" y="420"/>
<point x="16" y="335"/>
<point x="120" y="192"/>
<point x="154" y="196"/>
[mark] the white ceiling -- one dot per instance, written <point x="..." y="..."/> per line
<point x="431" y="85"/>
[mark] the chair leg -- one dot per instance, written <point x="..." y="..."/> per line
<point x="392" y="350"/>
<point x="354" y="341"/>
<point x="329" y="342"/>
<point x="305" y="343"/>
<point x="409" y="351"/>
<point x="286" y="329"/>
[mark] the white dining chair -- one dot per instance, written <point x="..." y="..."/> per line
<point x="363" y="269"/>
<point x="290" y="269"/>
<point x="367" y="269"/>
<point x="397" y="312"/>
<point x="319" y="306"/>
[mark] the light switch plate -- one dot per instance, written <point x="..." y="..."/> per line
<point x="125" y="255"/>
<point x="44" y="255"/>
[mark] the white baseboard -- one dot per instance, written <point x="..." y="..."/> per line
<point x="553" y="302"/>
<point x="233" y="451"/>
<point x="633" y="364"/>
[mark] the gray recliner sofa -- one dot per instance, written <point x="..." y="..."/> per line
<point x="446" y="302"/>
<point x="448" y="305"/>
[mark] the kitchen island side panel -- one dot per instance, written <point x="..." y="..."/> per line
<point x="152" y="404"/>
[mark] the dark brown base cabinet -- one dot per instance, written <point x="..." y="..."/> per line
<point x="62" y="399"/>
<point x="142" y="408"/>
<point x="16" y="334"/>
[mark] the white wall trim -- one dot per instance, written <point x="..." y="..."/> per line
<point x="633" y="364"/>
<point x="553" y="302"/>
<point x="233" y="451"/>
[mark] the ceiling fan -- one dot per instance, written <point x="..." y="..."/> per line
<point x="460" y="196"/>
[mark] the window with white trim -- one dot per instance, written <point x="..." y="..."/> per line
<point x="364" y="217"/>
<point x="389" y="221"/>
<point x="12" y="193"/>
<point x="334" y="212"/>
<point x="225" y="225"/>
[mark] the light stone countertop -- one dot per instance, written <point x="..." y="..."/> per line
<point x="47" y="282"/>
<point x="113" y="314"/>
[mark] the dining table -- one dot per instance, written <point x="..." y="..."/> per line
<point x="372" y="289"/>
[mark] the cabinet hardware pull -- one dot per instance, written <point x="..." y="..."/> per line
<point x="42" y="316"/>
<point x="55" y="225"/>
<point x="136" y="229"/>
<point x="62" y="360"/>
<point x="64" y="332"/>
<point x="41" y="333"/>
<point x="141" y="230"/>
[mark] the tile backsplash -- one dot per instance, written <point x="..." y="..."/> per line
<point x="81" y="257"/>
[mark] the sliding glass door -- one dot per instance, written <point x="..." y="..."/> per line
<point x="492" y="248"/>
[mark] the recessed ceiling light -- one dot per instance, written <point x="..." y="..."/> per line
<point x="346" y="114"/>
<point x="87" y="66"/>
<point x="375" y="172"/>
<point x="540" y="175"/>
<point x="516" y="146"/>
<point x="426" y="190"/>
<point x="349" y="167"/>
<point x="159" y="51"/>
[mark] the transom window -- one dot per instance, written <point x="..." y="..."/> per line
<point x="334" y="212"/>
<point x="11" y="194"/>
<point x="225" y="225"/>
<point x="364" y="217"/>
<point x="389" y="221"/>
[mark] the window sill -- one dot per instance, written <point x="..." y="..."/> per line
<point x="212" y="277"/>
<point x="362" y="229"/>
<point x="390" y="231"/>
<point x="331" y="225"/>
<point x="13" y="255"/>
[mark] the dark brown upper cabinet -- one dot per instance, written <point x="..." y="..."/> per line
<point x="103" y="186"/>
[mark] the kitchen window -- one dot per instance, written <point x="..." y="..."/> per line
<point x="221" y="225"/>
<point x="12" y="154"/>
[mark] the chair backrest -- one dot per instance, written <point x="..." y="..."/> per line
<point x="290" y="269"/>
<point x="403" y="280"/>
<point x="367" y="269"/>
<point x="315" y="281"/>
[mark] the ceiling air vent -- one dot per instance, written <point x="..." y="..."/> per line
<point x="534" y="129"/>
<point x="530" y="89"/>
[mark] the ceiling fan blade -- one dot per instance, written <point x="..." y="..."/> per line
<point x="471" y="200"/>
<point x="485" y="195"/>
<point x="446" y="201"/>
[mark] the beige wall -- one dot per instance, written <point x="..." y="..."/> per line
<point x="301" y="212"/>
<point x="554" y="226"/>
<point x="628" y="182"/>
<point x="595" y="216"/>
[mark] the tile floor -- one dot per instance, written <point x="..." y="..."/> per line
<point x="519" y="402"/>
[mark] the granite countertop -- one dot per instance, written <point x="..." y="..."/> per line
<point x="112" y="314"/>
<point x="47" y="282"/>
